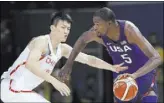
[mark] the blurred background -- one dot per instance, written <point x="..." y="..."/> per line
<point x="20" y="21"/>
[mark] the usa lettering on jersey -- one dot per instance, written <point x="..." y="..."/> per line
<point x="124" y="49"/>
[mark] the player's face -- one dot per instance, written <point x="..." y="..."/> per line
<point x="100" y="25"/>
<point x="61" y="30"/>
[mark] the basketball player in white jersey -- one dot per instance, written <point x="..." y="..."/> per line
<point x="37" y="61"/>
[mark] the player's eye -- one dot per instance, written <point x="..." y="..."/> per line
<point x="63" y="27"/>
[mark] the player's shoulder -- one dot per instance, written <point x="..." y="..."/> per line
<point x="40" y="38"/>
<point x="130" y="28"/>
<point x="39" y="41"/>
<point x="129" y="24"/>
<point x="65" y="46"/>
<point x="130" y="31"/>
<point x="65" y="49"/>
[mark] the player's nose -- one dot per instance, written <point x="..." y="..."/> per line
<point x="95" y="27"/>
<point x="66" y="32"/>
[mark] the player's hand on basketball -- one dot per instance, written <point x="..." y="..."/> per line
<point x="64" y="74"/>
<point x="119" y="67"/>
<point x="127" y="75"/>
<point x="61" y="87"/>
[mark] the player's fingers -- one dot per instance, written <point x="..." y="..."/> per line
<point x="121" y="64"/>
<point x="67" y="88"/>
<point x="125" y="75"/>
<point x="123" y="68"/>
<point x="118" y="69"/>
<point x="61" y="93"/>
<point x="66" y="91"/>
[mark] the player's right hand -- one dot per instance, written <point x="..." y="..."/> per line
<point x="62" y="88"/>
<point x="119" y="67"/>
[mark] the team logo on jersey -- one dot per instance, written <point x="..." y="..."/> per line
<point x="123" y="42"/>
<point x="108" y="44"/>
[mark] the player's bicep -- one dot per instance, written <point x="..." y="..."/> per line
<point x="35" y="52"/>
<point x="34" y="55"/>
<point x="137" y="38"/>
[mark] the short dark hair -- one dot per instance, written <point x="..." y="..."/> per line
<point x="61" y="15"/>
<point x="105" y="14"/>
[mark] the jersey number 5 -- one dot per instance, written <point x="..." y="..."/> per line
<point x="126" y="58"/>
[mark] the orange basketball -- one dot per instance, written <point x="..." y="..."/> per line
<point x="125" y="88"/>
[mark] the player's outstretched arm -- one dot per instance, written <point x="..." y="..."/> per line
<point x="91" y="60"/>
<point x="33" y="64"/>
<point x="80" y="44"/>
<point x="135" y="37"/>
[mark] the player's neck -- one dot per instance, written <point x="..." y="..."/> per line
<point x="54" y="41"/>
<point x="114" y="32"/>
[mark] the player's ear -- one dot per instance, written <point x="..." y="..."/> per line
<point x="109" y="22"/>
<point x="52" y="27"/>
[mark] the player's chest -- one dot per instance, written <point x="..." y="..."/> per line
<point x="48" y="63"/>
<point x="120" y="47"/>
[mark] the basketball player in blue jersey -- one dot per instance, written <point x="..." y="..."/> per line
<point x="124" y="43"/>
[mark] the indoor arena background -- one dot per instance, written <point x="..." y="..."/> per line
<point x="20" y="21"/>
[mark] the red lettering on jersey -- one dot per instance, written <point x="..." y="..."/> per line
<point x="50" y="61"/>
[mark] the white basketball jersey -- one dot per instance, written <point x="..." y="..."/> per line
<point x="23" y="79"/>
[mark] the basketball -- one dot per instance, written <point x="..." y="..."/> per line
<point x="125" y="88"/>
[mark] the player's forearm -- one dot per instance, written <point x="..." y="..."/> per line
<point x="151" y="64"/>
<point x="78" y="47"/>
<point x="100" y="64"/>
<point x="35" y="69"/>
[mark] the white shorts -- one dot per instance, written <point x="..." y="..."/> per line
<point x="9" y="96"/>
